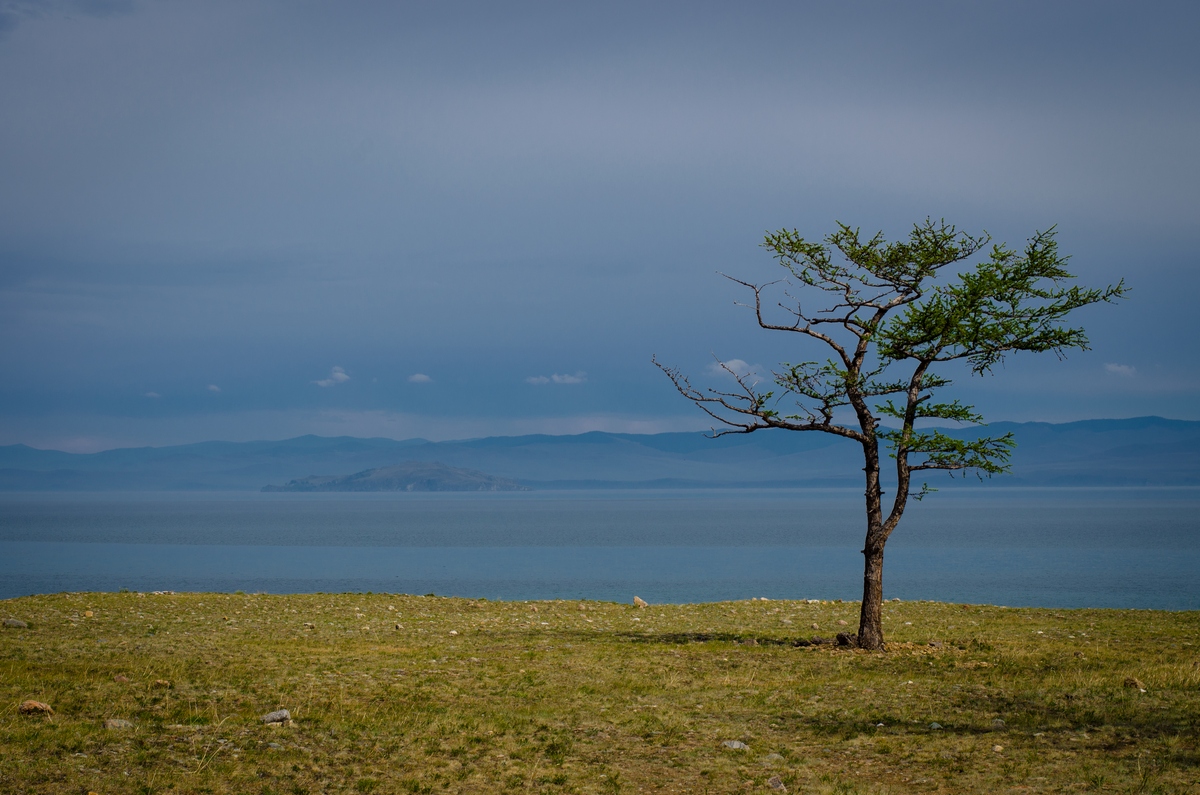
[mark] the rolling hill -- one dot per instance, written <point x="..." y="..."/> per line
<point x="1127" y="452"/>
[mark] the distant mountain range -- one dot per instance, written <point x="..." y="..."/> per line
<point x="1141" y="451"/>
<point x="409" y="476"/>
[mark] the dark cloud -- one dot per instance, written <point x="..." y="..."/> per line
<point x="246" y="193"/>
<point x="16" y="12"/>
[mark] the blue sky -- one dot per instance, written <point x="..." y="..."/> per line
<point x="240" y="220"/>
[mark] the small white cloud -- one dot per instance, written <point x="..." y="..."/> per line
<point x="419" y="378"/>
<point x="1125" y="370"/>
<point x="153" y="395"/>
<point x="214" y="388"/>
<point x="737" y="366"/>
<point x="336" y="376"/>
<point x="558" y="378"/>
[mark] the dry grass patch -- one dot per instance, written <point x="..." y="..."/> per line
<point x="396" y="694"/>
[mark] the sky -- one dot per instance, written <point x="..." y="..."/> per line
<point x="255" y="220"/>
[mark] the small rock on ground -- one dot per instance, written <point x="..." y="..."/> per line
<point x="120" y="678"/>
<point x="775" y="783"/>
<point x="1135" y="683"/>
<point x="935" y="725"/>
<point x="640" y="602"/>
<point x="281" y="716"/>
<point x="736" y="745"/>
<point x="770" y="760"/>
<point x="161" y="683"/>
<point x="32" y="707"/>
<point x="117" y="723"/>
<point x="15" y="623"/>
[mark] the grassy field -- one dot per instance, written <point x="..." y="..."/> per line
<point x="428" y="695"/>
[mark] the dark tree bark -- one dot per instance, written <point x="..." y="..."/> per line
<point x="870" y="620"/>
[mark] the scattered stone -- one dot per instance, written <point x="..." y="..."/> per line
<point x="896" y="599"/>
<point x="34" y="708"/>
<point x="770" y="760"/>
<point x="812" y="601"/>
<point x="998" y="723"/>
<point x="399" y="627"/>
<point x="816" y="625"/>
<point x="640" y="602"/>
<point x="117" y="723"/>
<point x="937" y="644"/>
<point x="1135" y="684"/>
<point x="279" y="717"/>
<point x="842" y="623"/>
<point x="454" y="632"/>
<point x="162" y="683"/>
<point x="997" y="748"/>
<point x="15" y="623"/>
<point x="819" y="641"/>
<point x="736" y="745"/>
<point x="120" y="678"/>
<point x="1079" y="654"/>
<point x="935" y="725"/>
<point x="88" y="614"/>
<point x="309" y="625"/>
<point x="275" y="746"/>
<point x="847" y="640"/>
<point x="534" y="608"/>
<point x="776" y="784"/>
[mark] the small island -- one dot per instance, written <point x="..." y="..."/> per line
<point x="407" y="476"/>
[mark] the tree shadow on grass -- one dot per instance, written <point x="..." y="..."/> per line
<point x="745" y="639"/>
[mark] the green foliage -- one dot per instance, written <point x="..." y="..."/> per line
<point x="889" y="314"/>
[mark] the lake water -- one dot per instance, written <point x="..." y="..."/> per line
<point x="1046" y="547"/>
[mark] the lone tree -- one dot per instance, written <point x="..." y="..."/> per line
<point x="888" y="317"/>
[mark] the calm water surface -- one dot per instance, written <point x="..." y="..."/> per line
<point x="1051" y="547"/>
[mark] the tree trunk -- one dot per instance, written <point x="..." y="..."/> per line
<point x="870" y="619"/>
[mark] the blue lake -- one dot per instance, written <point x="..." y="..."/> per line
<point x="1047" y="547"/>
